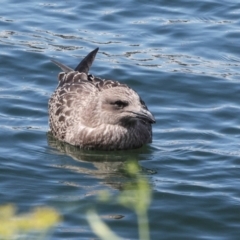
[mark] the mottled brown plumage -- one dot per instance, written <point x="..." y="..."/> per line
<point x="93" y="113"/>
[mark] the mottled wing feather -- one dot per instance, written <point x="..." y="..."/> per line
<point x="71" y="77"/>
<point x="67" y="101"/>
<point x="102" y="84"/>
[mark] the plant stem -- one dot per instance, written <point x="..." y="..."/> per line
<point x="143" y="228"/>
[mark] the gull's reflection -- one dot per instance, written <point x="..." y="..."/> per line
<point x="106" y="165"/>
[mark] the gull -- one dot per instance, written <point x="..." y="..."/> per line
<point x="94" y="113"/>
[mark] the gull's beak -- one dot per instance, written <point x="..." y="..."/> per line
<point x="145" y="115"/>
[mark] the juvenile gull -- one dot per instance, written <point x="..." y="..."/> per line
<point x="94" y="113"/>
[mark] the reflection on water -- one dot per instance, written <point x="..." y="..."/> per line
<point x="110" y="166"/>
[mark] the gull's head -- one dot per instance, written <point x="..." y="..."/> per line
<point x="122" y="106"/>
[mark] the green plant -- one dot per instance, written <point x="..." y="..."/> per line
<point x="39" y="222"/>
<point x="136" y="195"/>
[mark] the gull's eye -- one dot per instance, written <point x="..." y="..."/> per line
<point x="120" y="104"/>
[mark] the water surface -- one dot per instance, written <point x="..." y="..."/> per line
<point x="182" y="57"/>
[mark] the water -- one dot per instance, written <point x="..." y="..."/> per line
<point x="182" y="57"/>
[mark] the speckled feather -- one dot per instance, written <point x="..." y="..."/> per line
<point x="93" y="113"/>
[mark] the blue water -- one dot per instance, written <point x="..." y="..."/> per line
<point x="182" y="57"/>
